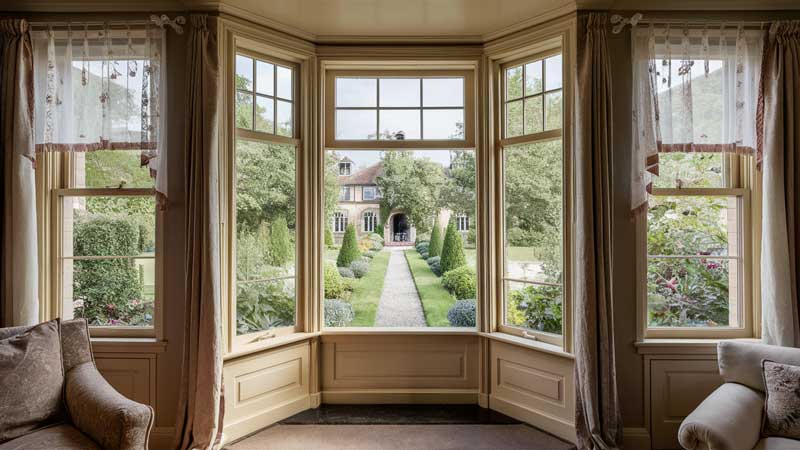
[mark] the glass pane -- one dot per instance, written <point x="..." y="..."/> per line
<point x="244" y="73"/>
<point x="708" y="102"/>
<point x="244" y="110"/>
<point x="285" y="118"/>
<point x="533" y="78"/>
<point x="110" y="168"/>
<point x="356" y="124"/>
<point x="535" y="307"/>
<point x="443" y="124"/>
<point x="400" y="124"/>
<point x="370" y="253"/>
<point x="108" y="226"/>
<point x="692" y="225"/>
<point x="399" y="92"/>
<point x="265" y="235"/>
<point x="284" y="82"/>
<point x="265" y="114"/>
<point x="699" y="292"/>
<point x="441" y="92"/>
<point x="552" y="114"/>
<point x="265" y="78"/>
<point x="514" y="119"/>
<point x="533" y="208"/>
<point x="680" y="170"/>
<point x="533" y="115"/>
<point x="552" y="75"/>
<point x="356" y="92"/>
<point x="513" y="83"/>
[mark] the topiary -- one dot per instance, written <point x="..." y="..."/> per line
<point x="334" y="285"/>
<point x="462" y="313"/>
<point x="435" y="247"/>
<point x="349" y="251"/>
<point x="424" y="255"/>
<point x="452" y="250"/>
<point x="346" y="272"/>
<point x="338" y="313"/>
<point x="280" y="245"/>
<point x="329" y="237"/>
<point x="422" y="246"/>
<point x="369" y="255"/>
<point x="435" y="265"/>
<point x="460" y="282"/>
<point x="359" y="268"/>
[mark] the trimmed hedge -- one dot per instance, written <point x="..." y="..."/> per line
<point x="452" y="250"/>
<point x="434" y="262"/>
<point x="435" y="248"/>
<point x="338" y="313"/>
<point x="460" y="282"/>
<point x="359" y="268"/>
<point x="349" y="251"/>
<point x="462" y="313"/>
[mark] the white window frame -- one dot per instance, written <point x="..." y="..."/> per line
<point x="345" y="167"/>
<point x="345" y="193"/>
<point x="462" y="222"/>
<point x="339" y="221"/>
<point x="369" y="221"/>
<point x="373" y="190"/>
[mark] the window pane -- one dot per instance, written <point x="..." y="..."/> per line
<point x="692" y="225"/>
<point x="110" y="168"/>
<point x="552" y="76"/>
<point x="680" y="170"/>
<point x="535" y="307"/>
<point x="400" y="124"/>
<point x="552" y="114"/>
<point x="443" y="124"/>
<point x="356" y="92"/>
<point x="244" y="73"/>
<point x="108" y="259"/>
<point x="533" y="78"/>
<point x="285" y="118"/>
<point x="441" y="92"/>
<point x="514" y="119"/>
<point x="265" y="114"/>
<point x="373" y="274"/>
<point x="356" y="124"/>
<point x="399" y="92"/>
<point x="244" y="110"/>
<point x="265" y="78"/>
<point x="514" y="83"/>
<point x="284" y="83"/>
<point x="533" y="115"/>
<point x="265" y="235"/>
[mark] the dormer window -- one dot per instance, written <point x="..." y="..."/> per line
<point x="344" y="168"/>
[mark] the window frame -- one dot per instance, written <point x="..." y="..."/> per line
<point x="373" y="220"/>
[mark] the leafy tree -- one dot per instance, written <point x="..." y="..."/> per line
<point x="349" y="251"/>
<point x="458" y="194"/>
<point x="280" y="245"/>
<point x="331" y="185"/>
<point x="265" y="183"/>
<point x="452" y="250"/>
<point x="435" y="246"/>
<point x="412" y="185"/>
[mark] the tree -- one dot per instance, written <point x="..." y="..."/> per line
<point x="280" y="245"/>
<point x="328" y="236"/>
<point x="265" y="184"/>
<point x="452" y="250"/>
<point x="349" y="251"/>
<point x="458" y="194"/>
<point x="412" y="185"/>
<point x="331" y="185"/>
<point x="435" y="248"/>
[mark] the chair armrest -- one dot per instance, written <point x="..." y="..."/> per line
<point x="729" y="419"/>
<point x="108" y="417"/>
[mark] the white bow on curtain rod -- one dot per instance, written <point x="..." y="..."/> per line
<point x="100" y="87"/>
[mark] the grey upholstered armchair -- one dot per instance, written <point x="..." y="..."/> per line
<point x="98" y="417"/>
<point x="730" y="418"/>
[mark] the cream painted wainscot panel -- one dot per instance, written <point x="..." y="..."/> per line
<point x="395" y="368"/>
<point x="265" y="387"/>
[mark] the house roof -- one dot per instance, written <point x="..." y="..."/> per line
<point x="368" y="175"/>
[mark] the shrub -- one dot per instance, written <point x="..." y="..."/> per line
<point x="359" y="268"/>
<point x="472" y="237"/>
<point x="375" y="237"/>
<point x="423" y="246"/>
<point x="346" y="272"/>
<point x="349" y="251"/>
<point x="334" y="284"/>
<point x="424" y="255"/>
<point x="365" y="244"/>
<point x="452" y="250"/>
<point x="434" y="262"/>
<point x="462" y="313"/>
<point x="541" y="307"/>
<point x="369" y="255"/>
<point x="460" y="282"/>
<point x="260" y="307"/>
<point x="435" y="248"/>
<point x="338" y="313"/>
<point x="329" y="237"/>
<point x="280" y="245"/>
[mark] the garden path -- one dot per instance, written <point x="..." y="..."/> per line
<point x="399" y="305"/>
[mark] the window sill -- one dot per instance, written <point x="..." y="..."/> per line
<point x="539" y="346"/>
<point x="268" y="345"/>
<point x="128" y="345"/>
<point x="682" y="346"/>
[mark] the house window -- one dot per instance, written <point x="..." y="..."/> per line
<point x="344" y="168"/>
<point x="370" y="192"/>
<point x="339" y="222"/>
<point x="264" y="95"/>
<point x="344" y="193"/>
<point x="462" y="222"/>
<point x="370" y="222"/>
<point x="534" y="200"/>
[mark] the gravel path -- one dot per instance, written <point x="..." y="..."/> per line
<point x="399" y="305"/>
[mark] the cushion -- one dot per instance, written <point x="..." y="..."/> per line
<point x="740" y="362"/>
<point x="58" y="437"/>
<point x="773" y="443"/>
<point x="31" y="380"/>
<point x="782" y="403"/>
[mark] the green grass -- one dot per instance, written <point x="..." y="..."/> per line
<point x="514" y="254"/>
<point x="331" y="254"/>
<point x="367" y="292"/>
<point x="436" y="301"/>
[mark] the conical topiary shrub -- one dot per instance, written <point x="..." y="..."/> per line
<point x="328" y="237"/>
<point x="280" y="245"/>
<point x="349" y="251"/>
<point x="452" y="250"/>
<point x="435" y="248"/>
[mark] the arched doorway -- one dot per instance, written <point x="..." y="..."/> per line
<point x="400" y="228"/>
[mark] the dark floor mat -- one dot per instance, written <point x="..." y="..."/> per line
<point x="399" y="415"/>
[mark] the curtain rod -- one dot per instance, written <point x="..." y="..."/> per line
<point x="159" y="21"/>
<point x="619" y="22"/>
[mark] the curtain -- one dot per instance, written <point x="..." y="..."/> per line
<point x="20" y="289"/>
<point x="779" y="136"/>
<point x="199" y="421"/>
<point x="672" y="115"/>
<point x="597" y="417"/>
<point x="101" y="89"/>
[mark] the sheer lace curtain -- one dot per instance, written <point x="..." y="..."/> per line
<point x="672" y="115"/>
<point x="100" y="88"/>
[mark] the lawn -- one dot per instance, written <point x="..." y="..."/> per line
<point x="514" y="254"/>
<point x="367" y="292"/>
<point x="436" y="301"/>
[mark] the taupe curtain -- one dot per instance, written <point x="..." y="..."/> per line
<point x="20" y="280"/>
<point x="779" y="128"/>
<point x="597" y="417"/>
<point x="200" y="409"/>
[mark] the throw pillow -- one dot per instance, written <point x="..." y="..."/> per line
<point x="782" y="403"/>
